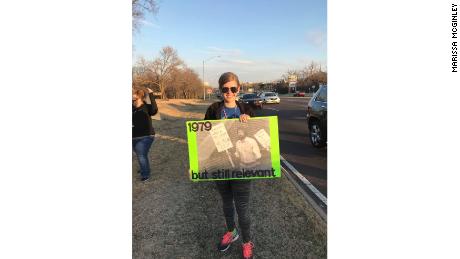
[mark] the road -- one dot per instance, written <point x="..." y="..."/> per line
<point x="295" y="146"/>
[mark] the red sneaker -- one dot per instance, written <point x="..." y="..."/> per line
<point x="227" y="240"/>
<point x="247" y="250"/>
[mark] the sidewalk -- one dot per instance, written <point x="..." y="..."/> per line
<point x="175" y="218"/>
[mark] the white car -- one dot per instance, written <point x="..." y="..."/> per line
<point x="269" y="97"/>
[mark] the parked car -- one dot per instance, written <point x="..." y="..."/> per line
<point x="317" y="117"/>
<point x="238" y="97"/>
<point x="269" y="97"/>
<point x="299" y="94"/>
<point x="253" y="100"/>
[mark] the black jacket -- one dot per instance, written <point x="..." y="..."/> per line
<point x="142" y="123"/>
<point x="214" y="111"/>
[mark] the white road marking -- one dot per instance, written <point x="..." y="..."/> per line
<point x="305" y="181"/>
<point x="273" y="109"/>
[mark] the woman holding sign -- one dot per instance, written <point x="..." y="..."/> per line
<point x="233" y="191"/>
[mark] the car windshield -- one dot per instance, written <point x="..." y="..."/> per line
<point x="249" y="96"/>
<point x="270" y="94"/>
<point x="322" y="95"/>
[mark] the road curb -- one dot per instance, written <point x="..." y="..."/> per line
<point x="304" y="180"/>
<point x="292" y="176"/>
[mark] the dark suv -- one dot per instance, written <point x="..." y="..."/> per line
<point x="253" y="100"/>
<point x="317" y="117"/>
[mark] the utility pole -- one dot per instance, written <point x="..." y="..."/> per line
<point x="204" y="87"/>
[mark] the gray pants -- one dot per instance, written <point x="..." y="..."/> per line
<point x="236" y="191"/>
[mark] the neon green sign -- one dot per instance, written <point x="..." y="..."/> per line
<point x="233" y="150"/>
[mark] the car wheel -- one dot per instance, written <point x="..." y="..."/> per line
<point x="316" y="135"/>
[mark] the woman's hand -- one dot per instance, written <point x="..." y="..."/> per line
<point x="150" y="90"/>
<point x="244" y="117"/>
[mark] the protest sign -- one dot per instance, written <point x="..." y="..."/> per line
<point x="230" y="150"/>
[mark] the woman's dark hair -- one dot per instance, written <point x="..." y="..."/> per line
<point x="139" y="91"/>
<point x="227" y="77"/>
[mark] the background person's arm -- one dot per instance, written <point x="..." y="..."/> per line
<point x="152" y="107"/>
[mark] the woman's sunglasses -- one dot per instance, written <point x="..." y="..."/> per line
<point x="226" y="89"/>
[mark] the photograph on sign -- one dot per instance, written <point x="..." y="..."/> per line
<point x="230" y="149"/>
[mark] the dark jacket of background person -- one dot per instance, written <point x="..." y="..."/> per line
<point x="214" y="111"/>
<point x="142" y="123"/>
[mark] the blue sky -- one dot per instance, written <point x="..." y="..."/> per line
<point x="258" y="40"/>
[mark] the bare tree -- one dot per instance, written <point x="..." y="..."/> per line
<point x="315" y="76"/>
<point x="143" y="76"/>
<point x="172" y="82"/>
<point x="167" y="75"/>
<point x="311" y="68"/>
<point x="184" y="83"/>
<point x="140" y="8"/>
<point x="309" y="78"/>
<point x="191" y="83"/>
<point x="164" y="66"/>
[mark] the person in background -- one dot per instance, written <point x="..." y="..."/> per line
<point x="233" y="191"/>
<point x="143" y="132"/>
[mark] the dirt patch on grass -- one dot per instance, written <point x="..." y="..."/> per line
<point x="175" y="218"/>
